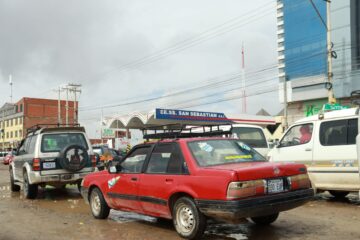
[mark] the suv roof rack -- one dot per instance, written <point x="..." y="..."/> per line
<point x="186" y="132"/>
<point x="37" y="127"/>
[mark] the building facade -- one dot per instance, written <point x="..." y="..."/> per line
<point x="302" y="53"/>
<point x="16" y="118"/>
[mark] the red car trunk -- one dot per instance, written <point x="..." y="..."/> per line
<point x="262" y="170"/>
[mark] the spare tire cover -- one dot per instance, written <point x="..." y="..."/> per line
<point x="74" y="158"/>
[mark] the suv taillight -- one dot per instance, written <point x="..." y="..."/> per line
<point x="93" y="160"/>
<point x="36" y="164"/>
<point x="245" y="189"/>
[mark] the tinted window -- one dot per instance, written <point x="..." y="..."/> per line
<point x="135" y="161"/>
<point x="218" y="152"/>
<point x="160" y="157"/>
<point x="340" y="132"/>
<point x="297" y="135"/>
<point x="251" y="136"/>
<point x="58" y="141"/>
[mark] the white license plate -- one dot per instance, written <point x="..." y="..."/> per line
<point x="48" y="165"/>
<point x="275" y="185"/>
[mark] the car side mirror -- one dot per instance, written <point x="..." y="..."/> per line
<point x="277" y="143"/>
<point x="113" y="169"/>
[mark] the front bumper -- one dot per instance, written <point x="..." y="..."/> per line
<point x="236" y="210"/>
<point x="36" y="177"/>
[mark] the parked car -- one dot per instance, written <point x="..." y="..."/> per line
<point x="8" y="158"/>
<point x="327" y="144"/>
<point x="51" y="156"/>
<point x="104" y="155"/>
<point x="190" y="180"/>
<point x="2" y="155"/>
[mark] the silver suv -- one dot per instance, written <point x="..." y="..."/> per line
<point x="53" y="156"/>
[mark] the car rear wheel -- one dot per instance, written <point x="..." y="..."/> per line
<point x="339" y="194"/>
<point x="265" y="220"/>
<point x="13" y="186"/>
<point x="30" y="190"/>
<point x="188" y="221"/>
<point x="98" y="205"/>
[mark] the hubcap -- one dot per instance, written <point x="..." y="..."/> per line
<point x="95" y="203"/>
<point x="185" y="218"/>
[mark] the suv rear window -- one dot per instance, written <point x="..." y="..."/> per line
<point x="254" y="137"/>
<point x="58" y="141"/>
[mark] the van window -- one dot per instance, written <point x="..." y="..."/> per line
<point x="297" y="135"/>
<point x="254" y="137"/>
<point x="339" y="132"/>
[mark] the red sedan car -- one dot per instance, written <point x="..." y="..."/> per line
<point x="8" y="158"/>
<point x="191" y="180"/>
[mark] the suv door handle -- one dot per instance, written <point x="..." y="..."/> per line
<point x="308" y="149"/>
<point x="134" y="179"/>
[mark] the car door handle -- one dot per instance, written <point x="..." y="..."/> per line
<point x="308" y="149"/>
<point x="134" y="179"/>
<point x="169" y="180"/>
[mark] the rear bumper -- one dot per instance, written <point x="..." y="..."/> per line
<point x="235" y="210"/>
<point x="36" y="177"/>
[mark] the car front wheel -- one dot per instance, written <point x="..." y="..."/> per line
<point x="30" y="190"/>
<point x="98" y="205"/>
<point x="188" y="221"/>
<point x="265" y="220"/>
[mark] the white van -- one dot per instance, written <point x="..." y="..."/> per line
<point x="250" y="134"/>
<point x="327" y="144"/>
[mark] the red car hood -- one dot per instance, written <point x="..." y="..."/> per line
<point x="260" y="170"/>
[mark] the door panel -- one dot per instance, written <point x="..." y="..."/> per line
<point x="296" y="145"/>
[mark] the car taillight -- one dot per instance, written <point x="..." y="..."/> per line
<point x="93" y="160"/>
<point x="36" y="164"/>
<point x="245" y="189"/>
<point x="299" y="181"/>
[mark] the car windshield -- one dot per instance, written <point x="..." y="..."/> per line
<point x="58" y="141"/>
<point x="224" y="151"/>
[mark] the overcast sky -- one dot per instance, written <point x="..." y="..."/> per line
<point x="113" y="49"/>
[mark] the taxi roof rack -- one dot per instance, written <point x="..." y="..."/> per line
<point x="186" y="132"/>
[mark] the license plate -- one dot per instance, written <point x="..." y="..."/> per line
<point x="275" y="185"/>
<point x="48" y="165"/>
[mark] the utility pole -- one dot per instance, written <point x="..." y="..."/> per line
<point x="285" y="123"/>
<point x="331" y="98"/>
<point x="59" y="106"/>
<point x="243" y="79"/>
<point x="75" y="88"/>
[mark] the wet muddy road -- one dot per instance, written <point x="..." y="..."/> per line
<point x="62" y="214"/>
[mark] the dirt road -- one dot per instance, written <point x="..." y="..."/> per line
<point x="62" y="214"/>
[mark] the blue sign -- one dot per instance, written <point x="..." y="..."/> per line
<point x="172" y="114"/>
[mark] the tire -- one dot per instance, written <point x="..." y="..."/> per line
<point x="74" y="158"/>
<point x="265" y="220"/>
<point x="30" y="190"/>
<point x="188" y="221"/>
<point x="339" y="194"/>
<point x="13" y="186"/>
<point x="98" y="205"/>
